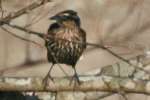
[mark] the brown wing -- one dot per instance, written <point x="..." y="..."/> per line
<point x="50" y="41"/>
<point x="52" y="29"/>
<point x="83" y="36"/>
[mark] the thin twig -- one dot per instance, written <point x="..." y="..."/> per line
<point x="41" y="35"/>
<point x="37" y="19"/>
<point x="22" y="11"/>
<point x="21" y="38"/>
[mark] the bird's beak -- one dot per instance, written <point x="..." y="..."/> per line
<point x="54" y="17"/>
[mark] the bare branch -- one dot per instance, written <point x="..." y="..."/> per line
<point x="90" y="83"/>
<point x="41" y="35"/>
<point x="27" y="40"/>
<point x="36" y="20"/>
<point x="24" y="10"/>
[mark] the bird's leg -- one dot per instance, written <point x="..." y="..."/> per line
<point x="48" y="75"/>
<point x="75" y="77"/>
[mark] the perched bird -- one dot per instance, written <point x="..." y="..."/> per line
<point x="65" y="41"/>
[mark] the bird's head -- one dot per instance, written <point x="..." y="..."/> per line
<point x="67" y="15"/>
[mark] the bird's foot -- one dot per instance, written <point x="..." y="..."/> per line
<point x="76" y="80"/>
<point x="46" y="78"/>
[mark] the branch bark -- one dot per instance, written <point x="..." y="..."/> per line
<point x="89" y="83"/>
<point x="22" y="11"/>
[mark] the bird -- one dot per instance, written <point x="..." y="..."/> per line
<point x="65" y="41"/>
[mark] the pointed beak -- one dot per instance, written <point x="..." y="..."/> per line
<point x="54" y="17"/>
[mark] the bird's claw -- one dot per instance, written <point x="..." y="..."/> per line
<point x="45" y="80"/>
<point x="76" y="80"/>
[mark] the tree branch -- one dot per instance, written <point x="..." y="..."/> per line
<point x="90" y="83"/>
<point x="19" y="37"/>
<point x="22" y="11"/>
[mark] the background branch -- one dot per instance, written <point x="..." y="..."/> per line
<point x="24" y="39"/>
<point x="22" y="11"/>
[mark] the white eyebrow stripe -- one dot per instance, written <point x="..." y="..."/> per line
<point x="66" y="14"/>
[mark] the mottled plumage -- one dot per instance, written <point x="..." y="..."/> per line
<point x="67" y="40"/>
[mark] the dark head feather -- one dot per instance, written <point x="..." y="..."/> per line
<point x="69" y="12"/>
<point x="67" y="15"/>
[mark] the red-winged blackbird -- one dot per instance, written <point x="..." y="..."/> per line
<point x="66" y="40"/>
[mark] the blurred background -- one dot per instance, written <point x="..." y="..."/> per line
<point x="121" y="25"/>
